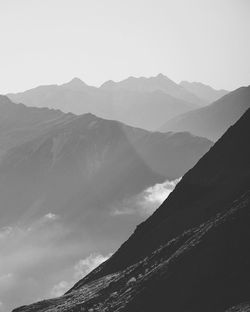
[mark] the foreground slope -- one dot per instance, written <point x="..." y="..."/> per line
<point x="192" y="254"/>
<point x="213" y="120"/>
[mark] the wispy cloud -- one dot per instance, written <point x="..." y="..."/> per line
<point x="60" y="288"/>
<point x="25" y="248"/>
<point x="51" y="216"/>
<point x="81" y="269"/>
<point x="147" y="201"/>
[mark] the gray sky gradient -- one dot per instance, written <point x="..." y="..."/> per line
<point x="51" y="41"/>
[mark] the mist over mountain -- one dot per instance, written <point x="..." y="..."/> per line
<point x="72" y="188"/>
<point x="213" y="120"/>
<point x="203" y="91"/>
<point x="140" y="102"/>
<point x="192" y="254"/>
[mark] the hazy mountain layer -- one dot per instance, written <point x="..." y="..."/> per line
<point x="157" y="83"/>
<point x="142" y="102"/>
<point x="191" y="255"/>
<point x="213" y="120"/>
<point x="202" y="91"/>
<point x="90" y="162"/>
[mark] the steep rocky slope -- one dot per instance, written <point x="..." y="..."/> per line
<point x="213" y="120"/>
<point x="191" y="255"/>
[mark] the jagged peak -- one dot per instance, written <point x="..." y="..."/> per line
<point x="76" y="81"/>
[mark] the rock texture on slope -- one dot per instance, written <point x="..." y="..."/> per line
<point x="191" y="255"/>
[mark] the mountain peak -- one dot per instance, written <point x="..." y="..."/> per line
<point x="160" y="75"/>
<point x="107" y="84"/>
<point x="75" y="84"/>
<point x="76" y="81"/>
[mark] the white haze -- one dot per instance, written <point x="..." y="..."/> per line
<point x="45" y="257"/>
<point x="147" y="201"/>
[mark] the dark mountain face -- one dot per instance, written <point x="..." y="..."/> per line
<point x="204" y="92"/>
<point x="19" y="123"/>
<point x="143" y="102"/>
<point x="213" y="120"/>
<point x="192" y="254"/>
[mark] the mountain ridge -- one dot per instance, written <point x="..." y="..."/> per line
<point x="144" y="103"/>
<point x="203" y="91"/>
<point x="213" y="120"/>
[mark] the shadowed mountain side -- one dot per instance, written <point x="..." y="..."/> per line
<point x="90" y="162"/>
<point x="140" y="107"/>
<point x="19" y="123"/>
<point x="203" y="91"/>
<point x="213" y="120"/>
<point x="191" y="255"/>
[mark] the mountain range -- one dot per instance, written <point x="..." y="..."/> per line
<point x="202" y="91"/>
<point x="212" y="120"/>
<point x="51" y="159"/>
<point x="140" y="102"/>
<point x="192" y="254"/>
<point x="74" y="186"/>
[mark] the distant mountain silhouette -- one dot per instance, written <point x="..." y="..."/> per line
<point x="192" y="254"/>
<point x="203" y="91"/>
<point x="157" y="83"/>
<point x="140" y="102"/>
<point x="213" y="120"/>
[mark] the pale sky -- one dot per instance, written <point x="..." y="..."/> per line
<point x="52" y="41"/>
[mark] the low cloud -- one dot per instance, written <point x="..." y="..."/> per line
<point x="60" y="288"/>
<point x="81" y="269"/>
<point x="85" y="266"/>
<point x="23" y="250"/>
<point x="147" y="201"/>
<point x="51" y="216"/>
<point x="154" y="196"/>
